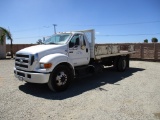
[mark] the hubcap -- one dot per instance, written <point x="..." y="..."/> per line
<point x="61" y="79"/>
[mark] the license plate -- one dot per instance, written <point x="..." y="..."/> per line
<point x="20" y="78"/>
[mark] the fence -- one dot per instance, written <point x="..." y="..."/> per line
<point x="144" y="51"/>
<point x="17" y="47"/>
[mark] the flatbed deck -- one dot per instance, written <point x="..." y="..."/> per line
<point x="115" y="54"/>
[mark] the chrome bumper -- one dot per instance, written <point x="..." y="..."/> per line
<point x="31" y="77"/>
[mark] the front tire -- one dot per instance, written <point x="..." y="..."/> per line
<point x="60" y="78"/>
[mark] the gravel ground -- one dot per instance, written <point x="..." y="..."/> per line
<point x="131" y="95"/>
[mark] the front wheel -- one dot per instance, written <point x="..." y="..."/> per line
<point x="60" y="78"/>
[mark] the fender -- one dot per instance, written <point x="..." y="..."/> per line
<point x="55" y="59"/>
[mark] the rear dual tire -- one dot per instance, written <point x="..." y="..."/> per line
<point x="121" y="64"/>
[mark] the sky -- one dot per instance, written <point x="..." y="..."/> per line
<point x="115" y="21"/>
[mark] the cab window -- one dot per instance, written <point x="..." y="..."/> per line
<point x="74" y="41"/>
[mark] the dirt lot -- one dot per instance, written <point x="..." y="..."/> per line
<point x="131" y="95"/>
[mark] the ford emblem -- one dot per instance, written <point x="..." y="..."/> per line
<point x="20" y="60"/>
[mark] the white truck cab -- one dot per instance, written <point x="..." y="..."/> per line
<point x="65" y="55"/>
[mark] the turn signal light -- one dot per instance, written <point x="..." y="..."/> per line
<point x="47" y="65"/>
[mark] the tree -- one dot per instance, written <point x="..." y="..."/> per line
<point x="146" y="41"/>
<point x="6" y="33"/>
<point x="39" y="41"/>
<point x="154" y="40"/>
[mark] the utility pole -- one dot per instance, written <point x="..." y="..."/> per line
<point x="54" y="28"/>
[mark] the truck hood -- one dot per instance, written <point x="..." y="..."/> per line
<point x="40" y="49"/>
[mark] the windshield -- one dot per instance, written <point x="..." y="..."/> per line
<point x="58" y="39"/>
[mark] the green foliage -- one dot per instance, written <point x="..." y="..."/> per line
<point x="5" y="33"/>
<point x="39" y="41"/>
<point x="146" y="41"/>
<point x="154" y="40"/>
<point x="2" y="37"/>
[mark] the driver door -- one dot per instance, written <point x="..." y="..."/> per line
<point x="78" y="55"/>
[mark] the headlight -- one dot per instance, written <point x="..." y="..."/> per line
<point x="45" y="65"/>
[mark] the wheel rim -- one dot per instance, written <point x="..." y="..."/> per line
<point x="124" y="64"/>
<point x="61" y="78"/>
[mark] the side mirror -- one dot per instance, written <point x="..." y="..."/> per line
<point x="83" y="46"/>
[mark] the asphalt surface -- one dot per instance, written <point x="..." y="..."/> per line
<point x="130" y="95"/>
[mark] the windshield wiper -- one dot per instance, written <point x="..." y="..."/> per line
<point x="52" y="43"/>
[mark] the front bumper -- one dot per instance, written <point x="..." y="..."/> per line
<point x="31" y="77"/>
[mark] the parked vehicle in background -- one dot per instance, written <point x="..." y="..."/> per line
<point x="66" y="55"/>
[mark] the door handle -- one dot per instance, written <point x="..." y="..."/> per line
<point x="70" y="51"/>
<point x="86" y="49"/>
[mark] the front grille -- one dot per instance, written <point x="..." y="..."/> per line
<point x="20" y="55"/>
<point x="32" y="59"/>
<point x="20" y="65"/>
<point x="25" y="61"/>
<point x="22" y="61"/>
